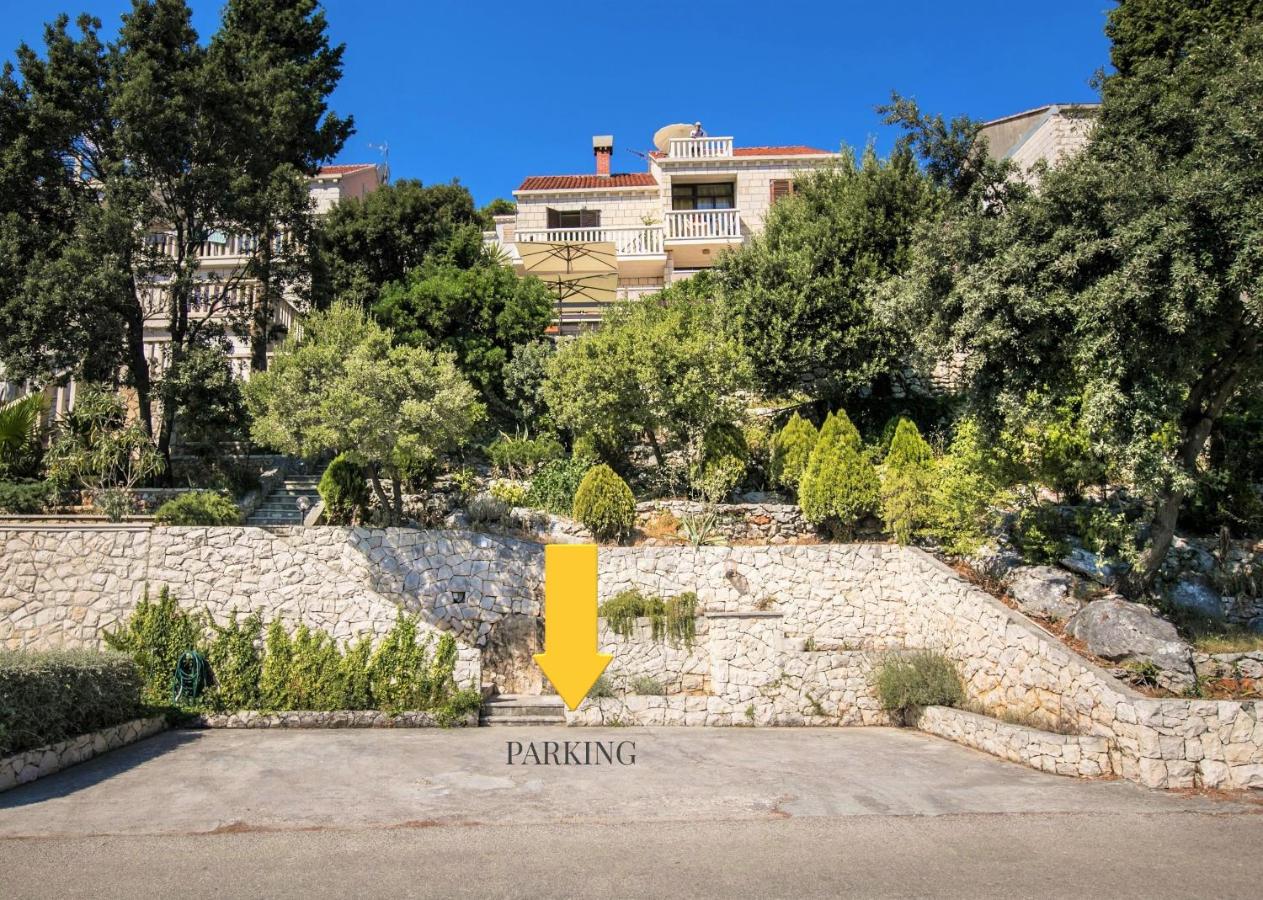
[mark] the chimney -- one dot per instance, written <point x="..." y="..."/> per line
<point x="603" y="149"/>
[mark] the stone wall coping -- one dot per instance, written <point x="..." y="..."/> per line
<point x="1041" y="634"/>
<point x="344" y="718"/>
<point x="1001" y="726"/>
<point x="744" y="614"/>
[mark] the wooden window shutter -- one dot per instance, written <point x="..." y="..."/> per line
<point x="781" y="187"/>
<point x="590" y="218"/>
<point x="554" y="218"/>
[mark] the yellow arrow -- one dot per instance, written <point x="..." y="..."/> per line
<point x="570" y="659"/>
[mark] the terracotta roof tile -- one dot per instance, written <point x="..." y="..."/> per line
<point x="574" y="182"/>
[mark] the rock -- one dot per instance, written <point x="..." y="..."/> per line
<point x="1121" y="631"/>
<point x="996" y="562"/>
<point x="1192" y="554"/>
<point x="1046" y="592"/>
<point x="1194" y="592"/>
<point x="1089" y="565"/>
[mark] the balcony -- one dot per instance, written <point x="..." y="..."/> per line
<point x="699" y="148"/>
<point x="702" y="225"/>
<point x="629" y="243"/>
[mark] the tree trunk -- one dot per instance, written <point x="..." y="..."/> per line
<point x="261" y="313"/>
<point x="397" y="487"/>
<point x="374" y="476"/>
<point x="1205" y="405"/>
<point x="653" y="443"/>
<point x="137" y="362"/>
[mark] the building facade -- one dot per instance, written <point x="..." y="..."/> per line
<point x="700" y="196"/>
<point x="1045" y="134"/>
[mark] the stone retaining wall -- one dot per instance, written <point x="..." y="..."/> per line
<point x="346" y="718"/>
<point x="32" y="764"/>
<point x="763" y="523"/>
<point x="790" y="634"/>
<point x="1060" y="754"/>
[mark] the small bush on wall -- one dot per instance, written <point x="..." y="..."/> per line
<point x="198" y="508"/>
<point x="554" y="486"/>
<point x="604" y="504"/>
<point x="923" y="678"/>
<point x="344" y="490"/>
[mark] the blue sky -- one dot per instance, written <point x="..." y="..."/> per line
<point x="490" y="92"/>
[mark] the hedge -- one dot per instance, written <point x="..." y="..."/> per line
<point x="53" y="695"/>
<point x="198" y="508"/>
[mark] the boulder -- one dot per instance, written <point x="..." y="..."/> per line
<point x="1121" y="631"/>
<point x="1194" y="592"/>
<point x="1047" y="592"/>
<point x="1086" y="563"/>
<point x="995" y="562"/>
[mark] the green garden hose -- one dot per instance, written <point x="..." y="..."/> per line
<point x="190" y="678"/>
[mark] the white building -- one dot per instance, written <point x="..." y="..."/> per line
<point x="699" y="197"/>
<point x="1044" y="134"/>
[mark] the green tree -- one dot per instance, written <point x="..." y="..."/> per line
<point x="906" y="482"/>
<point x="968" y="487"/>
<point x="839" y="486"/>
<point x="20" y="449"/>
<point x="653" y="371"/>
<point x="525" y="376"/>
<point x="369" y="242"/>
<point x="212" y="408"/>
<point x="1132" y="277"/>
<point x="791" y="450"/>
<point x="799" y="295"/>
<point x="342" y="387"/>
<point x="482" y="314"/>
<point x="1163" y="31"/>
<point x="497" y="207"/>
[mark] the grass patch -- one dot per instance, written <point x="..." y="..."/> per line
<point x="922" y="678"/>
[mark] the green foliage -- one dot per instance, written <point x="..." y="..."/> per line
<point x="604" y="504"/>
<point x="20" y="449"/>
<point x="918" y="679"/>
<point x="344" y="490"/>
<point x="554" y="486"/>
<point x="52" y="695"/>
<point x="1144" y="31"/>
<point x="907" y="482"/>
<point x="525" y="375"/>
<point x="647" y="686"/>
<point x="26" y="497"/>
<point x="275" y="678"/>
<point x="344" y="387"/>
<point x="510" y="493"/>
<point x="791" y="450"/>
<point x="198" y="508"/>
<point x="1040" y="533"/>
<point x="722" y="466"/>
<point x="93" y="446"/>
<point x="405" y="675"/>
<point x="702" y="529"/>
<point x="480" y="315"/>
<point x="966" y="491"/>
<point x="209" y="400"/>
<point x="839" y="486"/>
<point x="662" y="372"/>
<point x="369" y="242"/>
<point x="602" y="689"/>
<point x="356" y="682"/>
<point x="315" y="672"/>
<point x="674" y="618"/>
<point x="1111" y="535"/>
<point x="799" y="295"/>
<point x="520" y="457"/>
<point x="500" y="206"/>
<point x="154" y="636"/>
<point x="1052" y="446"/>
<point x="236" y="663"/>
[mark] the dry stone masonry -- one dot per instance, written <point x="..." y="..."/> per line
<point x="41" y="761"/>
<point x="786" y="634"/>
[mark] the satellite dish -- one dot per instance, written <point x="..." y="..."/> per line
<point x="662" y="137"/>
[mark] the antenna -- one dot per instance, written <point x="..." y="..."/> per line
<point x="384" y="149"/>
<point x="641" y="153"/>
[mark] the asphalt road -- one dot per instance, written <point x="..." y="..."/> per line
<point x="701" y="812"/>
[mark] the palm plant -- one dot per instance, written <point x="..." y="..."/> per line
<point x="19" y="436"/>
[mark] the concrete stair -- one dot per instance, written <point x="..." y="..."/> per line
<point x="522" y="709"/>
<point x="281" y="506"/>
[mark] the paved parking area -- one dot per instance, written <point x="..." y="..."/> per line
<point x="760" y="812"/>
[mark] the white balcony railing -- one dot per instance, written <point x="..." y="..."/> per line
<point x="702" y="224"/>
<point x="699" y="148"/>
<point x="643" y="241"/>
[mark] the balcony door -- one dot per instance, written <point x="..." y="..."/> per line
<point x="719" y="195"/>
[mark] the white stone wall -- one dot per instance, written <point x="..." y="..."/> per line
<point x="1087" y="756"/>
<point x="619" y="208"/>
<point x="1058" y="137"/>
<point x="753" y="192"/>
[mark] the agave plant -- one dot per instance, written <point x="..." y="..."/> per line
<point x="19" y="435"/>
<point x="701" y="529"/>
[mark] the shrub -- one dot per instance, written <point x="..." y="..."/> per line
<point x="791" y="450"/>
<point x="966" y="491"/>
<point x="923" y="678"/>
<point x="236" y="664"/>
<point x="405" y="675"/>
<point x="554" y="486"/>
<point x="602" y="688"/>
<point x="1040" y="533"/>
<point x="511" y="493"/>
<point x="647" y="686"/>
<point x="905" y="489"/>
<point x="20" y="449"/>
<point x="675" y="617"/>
<point x="26" y="498"/>
<point x="344" y="490"/>
<point x="315" y="671"/>
<point x="722" y="466"/>
<point x="518" y="457"/>
<point x="604" y="504"/>
<point x="275" y="676"/>
<point x="198" y="508"/>
<point x="840" y="486"/>
<point x="53" y="695"/>
<point x="155" y="636"/>
<point x="356" y="684"/>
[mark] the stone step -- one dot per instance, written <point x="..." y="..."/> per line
<point x="523" y="709"/>
<point x="497" y="722"/>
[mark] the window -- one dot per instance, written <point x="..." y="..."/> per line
<point x="703" y="196"/>
<point x="574" y="218"/>
<point x="781" y="187"/>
